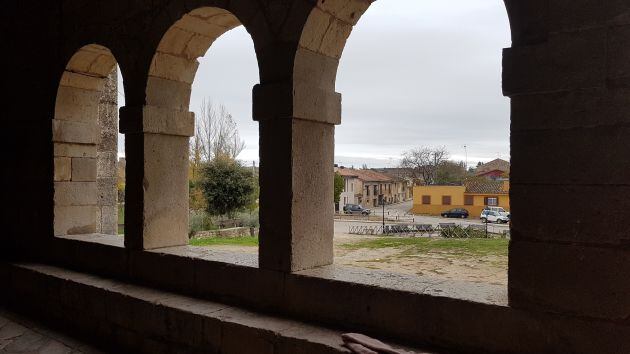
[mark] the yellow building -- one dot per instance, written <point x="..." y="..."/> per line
<point x="473" y="196"/>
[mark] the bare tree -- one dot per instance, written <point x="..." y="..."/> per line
<point x="423" y="163"/>
<point x="217" y="134"/>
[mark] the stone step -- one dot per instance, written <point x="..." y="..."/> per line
<point x="120" y="316"/>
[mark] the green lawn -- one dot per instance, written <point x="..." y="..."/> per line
<point x="472" y="246"/>
<point x="121" y="219"/>
<point x="216" y="241"/>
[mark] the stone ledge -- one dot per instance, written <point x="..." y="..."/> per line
<point x="153" y="319"/>
<point x="418" y="310"/>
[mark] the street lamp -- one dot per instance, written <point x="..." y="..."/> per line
<point x="382" y="198"/>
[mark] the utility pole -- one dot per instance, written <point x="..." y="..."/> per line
<point x="466" y="154"/>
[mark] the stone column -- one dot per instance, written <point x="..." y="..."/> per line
<point x="296" y="175"/>
<point x="156" y="199"/>
<point x="107" y="157"/>
<point x="570" y="170"/>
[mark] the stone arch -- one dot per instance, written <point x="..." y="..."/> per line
<point x="164" y="125"/>
<point x="84" y="201"/>
<point x="317" y="58"/>
<point x="175" y="64"/>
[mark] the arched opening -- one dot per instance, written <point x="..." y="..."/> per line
<point x="85" y="137"/>
<point x="175" y="183"/>
<point x="421" y="82"/>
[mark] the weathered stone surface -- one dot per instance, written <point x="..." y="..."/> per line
<point x="106" y="194"/>
<point x="63" y="169"/>
<point x="165" y="191"/>
<point x="72" y="220"/>
<point x="109" y="219"/>
<point x="75" y="132"/>
<point x="75" y="193"/>
<point x="577" y="280"/>
<point x="75" y="150"/>
<point x="83" y="169"/>
<point x="166" y="93"/>
<point x="76" y="104"/>
<point x="106" y="164"/>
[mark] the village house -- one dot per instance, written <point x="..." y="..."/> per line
<point x="496" y="169"/>
<point x="371" y="188"/>
<point x="474" y="195"/>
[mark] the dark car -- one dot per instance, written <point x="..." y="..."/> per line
<point x="356" y="209"/>
<point x="455" y="213"/>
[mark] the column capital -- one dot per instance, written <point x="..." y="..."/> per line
<point x="156" y="120"/>
<point x="296" y="100"/>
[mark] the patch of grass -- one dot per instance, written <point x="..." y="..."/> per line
<point x="226" y="241"/>
<point x="473" y="247"/>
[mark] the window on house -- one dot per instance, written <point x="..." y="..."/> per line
<point x="492" y="201"/>
<point x="426" y="199"/>
<point x="469" y="200"/>
<point x="446" y="200"/>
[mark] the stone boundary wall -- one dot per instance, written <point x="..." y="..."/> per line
<point x="229" y="233"/>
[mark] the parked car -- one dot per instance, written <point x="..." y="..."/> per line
<point x="356" y="209"/>
<point x="455" y="213"/>
<point x="499" y="210"/>
<point x="488" y="215"/>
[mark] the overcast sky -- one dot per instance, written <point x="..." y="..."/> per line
<point x="413" y="73"/>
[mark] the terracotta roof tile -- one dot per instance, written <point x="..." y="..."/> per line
<point x="494" y="165"/>
<point x="365" y="175"/>
<point x="484" y="186"/>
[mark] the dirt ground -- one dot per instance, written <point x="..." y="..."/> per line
<point x="443" y="265"/>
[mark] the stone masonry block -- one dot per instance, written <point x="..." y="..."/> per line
<point x="567" y="15"/>
<point x="346" y="11"/>
<point x="316" y="69"/>
<point x="562" y="278"/>
<point x="72" y="220"/>
<point x="597" y="155"/>
<point x="83" y="169"/>
<point x="75" y="150"/>
<point x="75" y="132"/>
<point x="315" y="104"/>
<point x="107" y="192"/>
<point x="618" y="65"/>
<point x="75" y="193"/>
<point x="577" y="214"/>
<point x="174" y="68"/>
<point x="567" y="61"/>
<point x="318" y="22"/>
<point x="76" y="104"/>
<point x="166" y="121"/>
<point x="63" y="169"/>
<point x="571" y="109"/>
<point x="165" y="93"/>
<point x="82" y="81"/>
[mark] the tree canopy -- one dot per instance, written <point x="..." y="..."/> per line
<point x="227" y="186"/>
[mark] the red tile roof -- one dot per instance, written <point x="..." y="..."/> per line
<point x="484" y="186"/>
<point x="365" y="175"/>
<point x="494" y="165"/>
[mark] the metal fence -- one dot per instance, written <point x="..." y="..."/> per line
<point x="447" y="230"/>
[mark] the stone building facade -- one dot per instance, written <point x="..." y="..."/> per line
<point x="567" y="74"/>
